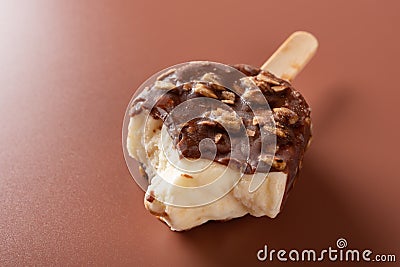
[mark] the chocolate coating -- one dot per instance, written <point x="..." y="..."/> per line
<point x="289" y="112"/>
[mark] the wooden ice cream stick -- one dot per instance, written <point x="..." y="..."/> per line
<point x="292" y="55"/>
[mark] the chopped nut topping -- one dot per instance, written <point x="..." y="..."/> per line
<point x="250" y="132"/>
<point x="228" y="95"/>
<point x="268" y="159"/>
<point x="279" y="88"/>
<point x="225" y="118"/>
<point x="275" y="130"/>
<point x="263" y="113"/>
<point x="255" y="120"/>
<point x="163" y="85"/>
<point x="262" y="118"/>
<point x="279" y="164"/>
<point x="210" y="77"/>
<point x="248" y="82"/>
<point x="203" y="90"/>
<point x="267" y="79"/>
<point x="165" y="74"/>
<point x="269" y="128"/>
<point x="274" y="127"/>
<point x="187" y="87"/>
<point x="280" y="132"/>
<point x="254" y="96"/>
<point x="218" y="137"/>
<point x="290" y="115"/>
<point x="217" y="87"/>
<point x="230" y="102"/>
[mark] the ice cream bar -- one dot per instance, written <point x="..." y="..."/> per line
<point x="216" y="142"/>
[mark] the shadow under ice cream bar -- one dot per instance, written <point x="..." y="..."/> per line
<point x="217" y="142"/>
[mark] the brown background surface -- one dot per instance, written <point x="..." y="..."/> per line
<point x="69" y="68"/>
